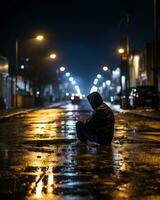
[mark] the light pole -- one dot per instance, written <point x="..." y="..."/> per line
<point x="121" y="52"/>
<point x="123" y="77"/>
<point x="109" y="77"/>
<point x="106" y="69"/>
<point x="39" y="38"/>
<point x="127" y="70"/>
<point x="60" y="73"/>
<point x="125" y="52"/>
<point x="52" y="56"/>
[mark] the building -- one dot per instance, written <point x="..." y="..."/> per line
<point x="5" y="84"/>
<point x="141" y="66"/>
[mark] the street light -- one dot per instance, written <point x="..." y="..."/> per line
<point x="108" y="82"/>
<point x="120" y="50"/>
<point x="71" y="78"/>
<point x="107" y="75"/>
<point x="105" y="68"/>
<point x="22" y="66"/>
<point x="52" y="55"/>
<point x="95" y="81"/>
<point x="68" y="74"/>
<point x="73" y="82"/>
<point x="39" y="38"/>
<point x="124" y="76"/>
<point x="62" y="69"/>
<point x="99" y="76"/>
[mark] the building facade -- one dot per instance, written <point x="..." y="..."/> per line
<point x="141" y="66"/>
<point x="5" y="84"/>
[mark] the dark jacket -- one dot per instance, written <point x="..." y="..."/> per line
<point x="101" y="123"/>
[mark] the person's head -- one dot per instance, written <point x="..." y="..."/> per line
<point x="95" y="99"/>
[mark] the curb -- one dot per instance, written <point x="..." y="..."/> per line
<point x="145" y="116"/>
<point x="150" y="116"/>
<point x="5" y="118"/>
<point x="8" y="116"/>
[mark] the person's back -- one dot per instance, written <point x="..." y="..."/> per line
<point x="100" y="126"/>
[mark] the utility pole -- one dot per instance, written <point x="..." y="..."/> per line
<point x="125" y="53"/>
<point x="127" y="71"/>
<point x="127" y="50"/>
<point x="155" y="53"/>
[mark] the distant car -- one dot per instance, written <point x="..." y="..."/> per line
<point x="142" y="96"/>
<point x="75" y="100"/>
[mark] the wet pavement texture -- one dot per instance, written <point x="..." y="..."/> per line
<point x="41" y="159"/>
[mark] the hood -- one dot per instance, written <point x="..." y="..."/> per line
<point x="95" y="99"/>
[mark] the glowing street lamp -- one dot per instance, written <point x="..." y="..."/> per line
<point x="124" y="79"/>
<point x="40" y="37"/>
<point x="105" y="68"/>
<point x="67" y="94"/>
<point x="52" y="56"/>
<point x="71" y="79"/>
<point x="73" y="82"/>
<point x="22" y="66"/>
<point x="99" y="76"/>
<point x="95" y="81"/>
<point x="108" y="82"/>
<point x="62" y="69"/>
<point x="68" y="74"/>
<point x="121" y="50"/>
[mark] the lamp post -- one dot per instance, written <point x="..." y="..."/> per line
<point x="124" y="77"/>
<point x="109" y="77"/>
<point x="125" y="52"/>
<point x="121" y="52"/>
<point x="61" y="90"/>
<point x="38" y="38"/>
<point x="106" y="69"/>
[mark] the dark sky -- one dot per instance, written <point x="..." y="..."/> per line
<point x="85" y="34"/>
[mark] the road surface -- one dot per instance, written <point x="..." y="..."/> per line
<point x="40" y="158"/>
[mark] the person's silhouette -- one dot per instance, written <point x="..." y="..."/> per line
<point x="99" y="127"/>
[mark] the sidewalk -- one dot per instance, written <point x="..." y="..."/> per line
<point x="8" y="113"/>
<point x="147" y="113"/>
<point x="5" y="114"/>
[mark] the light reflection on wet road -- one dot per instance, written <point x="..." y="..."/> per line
<point x="40" y="158"/>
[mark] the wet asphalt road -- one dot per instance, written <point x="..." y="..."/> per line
<point x="41" y="159"/>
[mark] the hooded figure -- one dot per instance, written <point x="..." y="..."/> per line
<point x="99" y="127"/>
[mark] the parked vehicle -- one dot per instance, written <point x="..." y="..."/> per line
<point x="142" y="96"/>
<point x="75" y="100"/>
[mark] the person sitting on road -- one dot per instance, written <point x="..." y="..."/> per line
<point x="99" y="127"/>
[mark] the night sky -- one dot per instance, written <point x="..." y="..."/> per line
<point x="85" y="34"/>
